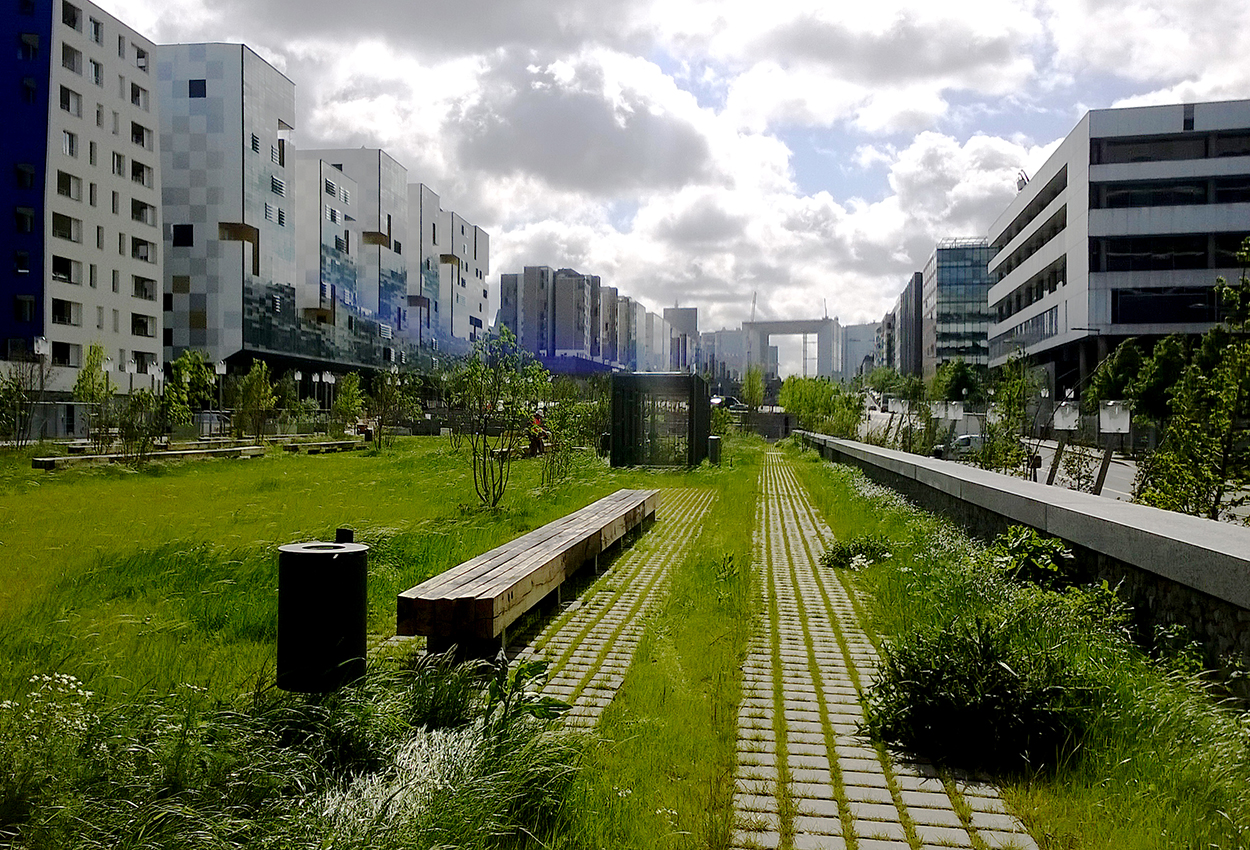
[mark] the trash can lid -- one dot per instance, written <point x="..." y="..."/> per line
<point x="317" y="547"/>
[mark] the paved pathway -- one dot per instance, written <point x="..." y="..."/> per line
<point x="591" y="645"/>
<point x="805" y="779"/>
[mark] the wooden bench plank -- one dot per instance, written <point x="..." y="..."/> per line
<point x="484" y="595"/>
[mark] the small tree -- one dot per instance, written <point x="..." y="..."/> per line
<point x="21" y="388"/>
<point x="500" y="386"/>
<point x="753" y="388"/>
<point x="349" y="403"/>
<point x="139" y="423"/>
<point x="255" y="398"/>
<point x="394" y="398"/>
<point x="94" y="388"/>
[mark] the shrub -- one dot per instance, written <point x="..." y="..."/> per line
<point x="1031" y="557"/>
<point x="861" y="551"/>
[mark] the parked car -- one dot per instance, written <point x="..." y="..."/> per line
<point x="964" y="445"/>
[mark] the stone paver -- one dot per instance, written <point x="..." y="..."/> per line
<point x="589" y="646"/>
<point x="802" y="684"/>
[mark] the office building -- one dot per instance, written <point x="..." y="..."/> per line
<point x="954" y="309"/>
<point x="909" y="348"/>
<point x="1122" y="232"/>
<point x="83" y="247"/>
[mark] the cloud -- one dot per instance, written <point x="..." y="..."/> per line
<point x="579" y="124"/>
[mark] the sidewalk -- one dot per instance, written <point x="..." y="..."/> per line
<point x="805" y="778"/>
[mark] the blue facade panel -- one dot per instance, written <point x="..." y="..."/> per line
<point x="25" y="65"/>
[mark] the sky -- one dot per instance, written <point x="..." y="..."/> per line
<point x="804" y="155"/>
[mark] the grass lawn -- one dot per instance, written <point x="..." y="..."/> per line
<point x="142" y="580"/>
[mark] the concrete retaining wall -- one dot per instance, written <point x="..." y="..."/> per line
<point x="1171" y="567"/>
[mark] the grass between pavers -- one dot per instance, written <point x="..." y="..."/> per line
<point x="661" y="775"/>
<point x="1162" y="765"/>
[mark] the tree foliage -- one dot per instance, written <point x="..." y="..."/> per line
<point x="823" y="406"/>
<point x="499" y="387"/>
<point x="349" y="403"/>
<point x="94" y="388"/>
<point x="395" y="396"/>
<point x="21" y="388"/>
<point x="956" y="380"/>
<point x="753" y="388"/>
<point x="1202" y="466"/>
<point x="255" y="398"/>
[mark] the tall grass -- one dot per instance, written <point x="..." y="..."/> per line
<point x="141" y="581"/>
<point x="1155" y="761"/>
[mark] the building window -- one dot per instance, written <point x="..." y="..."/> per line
<point x="24" y="218"/>
<point x="141" y="174"/>
<point x="184" y="235"/>
<point x="270" y="212"/>
<point x="277" y="186"/>
<point x="331" y="189"/>
<point x="141" y="325"/>
<point x="64" y="227"/>
<point x="66" y="270"/>
<point x="97" y="72"/>
<point x="119" y="164"/>
<point x="141" y="249"/>
<point x="25" y="175"/>
<point x="345" y="195"/>
<point x="66" y="354"/>
<point x="71" y="59"/>
<point x="69" y="186"/>
<point x="340" y="244"/>
<point x="29" y="49"/>
<point x="71" y="102"/>
<point x="141" y="136"/>
<point x="91" y="153"/>
<point x="66" y="312"/>
<point x="281" y="217"/>
<point x="23" y="308"/>
<point x="255" y="143"/>
<point x="97" y="31"/>
<point x="121" y="46"/>
<point x="139" y="96"/>
<point x="141" y="59"/>
<point x="199" y="88"/>
<point x="71" y="16"/>
<point x="399" y="248"/>
<point x="144" y="287"/>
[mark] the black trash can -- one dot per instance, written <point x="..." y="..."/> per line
<point x="322" y="613"/>
<point x="713" y="450"/>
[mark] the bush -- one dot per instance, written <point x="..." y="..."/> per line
<point x="980" y="694"/>
<point x="1033" y="558"/>
<point x="858" y="552"/>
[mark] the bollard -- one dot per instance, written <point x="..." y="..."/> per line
<point x="713" y="450"/>
<point x="322" y="614"/>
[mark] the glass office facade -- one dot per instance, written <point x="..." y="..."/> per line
<point x="956" y="316"/>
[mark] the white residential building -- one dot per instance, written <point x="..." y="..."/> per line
<point x="84" y="157"/>
<point x="1122" y="232"/>
<point x="450" y="289"/>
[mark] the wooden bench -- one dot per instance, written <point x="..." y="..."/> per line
<point x="472" y="605"/>
<point x="326" y="447"/>
<point x="51" y="463"/>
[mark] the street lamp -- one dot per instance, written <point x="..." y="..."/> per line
<point x="219" y="368"/>
<point x="316" y="379"/>
<point x="328" y="379"/>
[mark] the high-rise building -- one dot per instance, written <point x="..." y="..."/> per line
<point x="858" y="342"/>
<point x="454" y="262"/>
<point x="328" y="240"/>
<point x="227" y="120"/>
<point x="954" y="309"/>
<point x="884" y="355"/>
<point x="83" y="250"/>
<point x="1122" y="232"/>
<point x="684" y="322"/>
<point x="909" y="333"/>
<point x="381" y="208"/>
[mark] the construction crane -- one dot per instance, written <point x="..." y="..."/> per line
<point x="826" y="300"/>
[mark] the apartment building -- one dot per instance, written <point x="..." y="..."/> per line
<point x="1122" y="232"/>
<point x="85" y="158"/>
<point x="328" y="240"/>
<point x="449" y="288"/>
<point x="227" y="124"/>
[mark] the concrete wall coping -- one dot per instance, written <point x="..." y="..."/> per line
<point x="1210" y="556"/>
